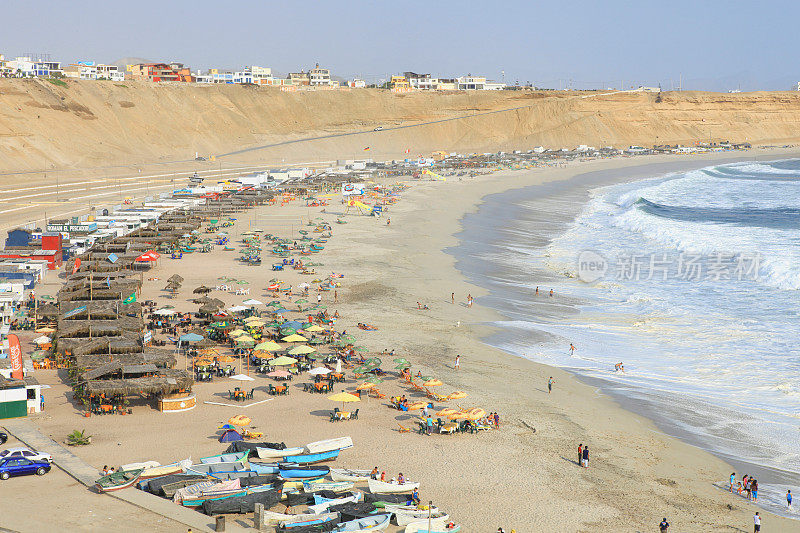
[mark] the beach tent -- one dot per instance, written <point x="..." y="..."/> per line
<point x="230" y="435"/>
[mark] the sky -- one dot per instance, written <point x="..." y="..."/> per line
<point x="705" y="44"/>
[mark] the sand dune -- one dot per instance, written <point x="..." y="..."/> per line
<point x="97" y="123"/>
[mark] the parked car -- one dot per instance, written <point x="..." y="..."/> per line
<point x="3" y="437"/>
<point x="19" y="466"/>
<point x="26" y="453"/>
<point x="379" y="128"/>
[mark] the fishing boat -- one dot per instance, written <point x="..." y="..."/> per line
<point x="166" y="470"/>
<point x="118" y="480"/>
<point x="310" y="520"/>
<point x="437" y="526"/>
<point x="297" y="485"/>
<point x="345" y="474"/>
<point x="327" y="445"/>
<point x="296" y="472"/>
<point x="383" y="487"/>
<point x="215" y="469"/>
<point x="236" y="457"/>
<point x="377" y="522"/>
<point x="169" y="490"/>
<point x="311" y="458"/>
<point x="335" y="486"/>
<point x="276" y="519"/>
<point x="213" y="496"/>
<point x="271" y="453"/>
<point x="195" y="495"/>
<point x="322" y="505"/>
<point x="406" y="517"/>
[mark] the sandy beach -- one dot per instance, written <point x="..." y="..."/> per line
<point x="523" y="476"/>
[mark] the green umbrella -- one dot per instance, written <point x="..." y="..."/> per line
<point x="374" y="379"/>
<point x="361" y="349"/>
<point x="402" y="367"/>
<point x="348" y="338"/>
<point x="301" y="301"/>
<point x="316" y="340"/>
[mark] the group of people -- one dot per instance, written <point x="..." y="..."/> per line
<point x="748" y="485"/>
<point x="583" y="455"/>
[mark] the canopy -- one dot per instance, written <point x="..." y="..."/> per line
<point x="314" y="328"/>
<point x="269" y="346"/>
<point x="190" y="337"/>
<point x="301" y="350"/>
<point x="319" y="371"/>
<point x="165" y="312"/>
<point x="294" y="338"/>
<point x="237" y="332"/>
<point x="237" y="308"/>
<point x="278" y="374"/>
<point x="283" y="361"/>
<point x="242" y="377"/>
<point x="253" y="301"/>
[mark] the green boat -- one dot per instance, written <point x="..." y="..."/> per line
<point x="118" y="480"/>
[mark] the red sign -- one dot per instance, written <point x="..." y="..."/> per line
<point x="16" y="357"/>
<point x="77" y="265"/>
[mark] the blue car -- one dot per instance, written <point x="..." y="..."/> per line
<point x="19" y="466"/>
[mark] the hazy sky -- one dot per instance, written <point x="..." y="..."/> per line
<point x="712" y="44"/>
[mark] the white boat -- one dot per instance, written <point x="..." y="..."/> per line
<point x="335" y="486"/>
<point x="406" y="517"/>
<point x="437" y="526"/>
<point x="276" y="519"/>
<point x="323" y="506"/>
<point x="165" y="470"/>
<point x="144" y="465"/>
<point x="383" y="487"/>
<point x="345" y="474"/>
<point x="377" y="522"/>
<point x="394" y="507"/>
<point x="269" y="453"/>
<point x="328" y="445"/>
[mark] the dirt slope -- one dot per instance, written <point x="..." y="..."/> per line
<point x="90" y="124"/>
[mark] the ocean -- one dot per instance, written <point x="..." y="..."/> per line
<point x="688" y="279"/>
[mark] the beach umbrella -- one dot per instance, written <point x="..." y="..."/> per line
<point x="402" y="367"/>
<point x="301" y="301"/>
<point x="302" y="350"/>
<point x="447" y="411"/>
<point x="431" y="383"/>
<point x="294" y="338"/>
<point x="416" y="405"/>
<point x="314" y="328"/>
<point x="361" y="349"/>
<point x="190" y="337"/>
<point x="239" y="420"/>
<point x="476" y="413"/>
<point x="316" y="341"/>
<point x="253" y="319"/>
<point x="175" y="278"/>
<point x="202" y="300"/>
<point x="245" y="339"/>
<point x="344" y="397"/>
<point x="279" y="374"/>
<point x="269" y="346"/>
<point x="237" y="333"/>
<point x="274" y="303"/>
<point x="400" y="360"/>
<point x="284" y="361"/>
<point x="45" y="330"/>
<point x="242" y="377"/>
<point x="319" y="371"/>
<point x="374" y="380"/>
<point x="457" y="395"/>
<point x="253" y="301"/>
<point x="364" y="386"/>
<point x="202" y="289"/>
<point x="347" y="337"/>
<point x="280" y="311"/>
<point x="226" y="426"/>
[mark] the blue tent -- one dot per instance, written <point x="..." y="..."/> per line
<point x="230" y="436"/>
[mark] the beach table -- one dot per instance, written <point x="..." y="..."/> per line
<point x="448" y="428"/>
<point x="337" y="376"/>
<point x="281" y="389"/>
<point x="340" y="415"/>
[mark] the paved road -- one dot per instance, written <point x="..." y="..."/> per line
<point x="24" y="430"/>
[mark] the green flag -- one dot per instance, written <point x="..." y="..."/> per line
<point x="130" y="299"/>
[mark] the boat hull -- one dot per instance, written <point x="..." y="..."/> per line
<point x="328" y="445"/>
<point x="382" y="487"/>
<point x="343" y="474"/>
<point x="311" y="458"/>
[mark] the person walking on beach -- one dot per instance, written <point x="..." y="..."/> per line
<point x="586" y="456"/>
<point x="458" y="362"/>
<point x="580" y="454"/>
<point x="319" y="299"/>
<point x="733" y="480"/>
<point x="469" y="300"/>
<point x="551" y="293"/>
<point x="550" y="385"/>
<point x="789" y="500"/>
<point x="497" y="420"/>
<point x="571" y="349"/>
<point x="537" y="290"/>
<point x="374" y="473"/>
<point x="452" y="297"/>
<point x="335" y="296"/>
<point x="663" y="526"/>
<point x="756" y="523"/>
<point x="754" y="489"/>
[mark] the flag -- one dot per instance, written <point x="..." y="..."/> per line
<point x="130" y="299"/>
<point x="16" y="357"/>
<point x="366" y="148"/>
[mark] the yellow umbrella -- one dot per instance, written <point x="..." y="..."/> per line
<point x="263" y="354"/>
<point x="313" y="329"/>
<point x="447" y="411"/>
<point x="344" y="397"/>
<point x="294" y="337"/>
<point x="253" y="319"/>
<point x="269" y="346"/>
<point x="239" y="420"/>
<point x="416" y="405"/>
<point x="476" y="413"/>
<point x="237" y="332"/>
<point x="301" y="350"/>
<point x="457" y="395"/>
<point x="459" y="416"/>
<point x="365" y="386"/>
<point x="432" y="383"/>
<point x="284" y="361"/>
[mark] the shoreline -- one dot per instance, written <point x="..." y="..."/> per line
<point x="638" y="475"/>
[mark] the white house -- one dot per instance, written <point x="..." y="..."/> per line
<point x="319" y="76"/>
